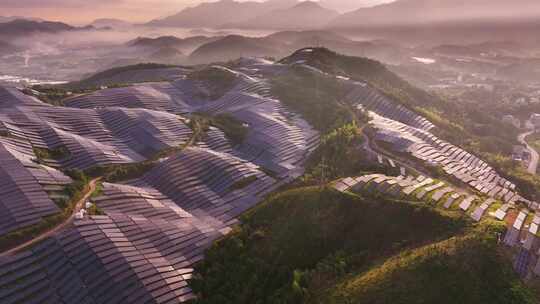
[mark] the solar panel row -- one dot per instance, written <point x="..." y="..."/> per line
<point x="158" y="225"/>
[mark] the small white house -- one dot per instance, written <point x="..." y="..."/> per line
<point x="80" y="215"/>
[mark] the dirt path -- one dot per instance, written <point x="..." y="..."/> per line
<point x="78" y="206"/>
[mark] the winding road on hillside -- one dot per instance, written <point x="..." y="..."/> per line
<point x="80" y="203"/>
<point x="533" y="164"/>
<point x="78" y="206"/>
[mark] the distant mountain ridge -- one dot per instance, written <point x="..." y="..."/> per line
<point x="110" y="22"/>
<point x="282" y="43"/>
<point x="303" y="15"/>
<point x="215" y="14"/>
<point x="407" y="12"/>
<point x="21" y="27"/>
<point x="184" y="45"/>
<point x="4" y="19"/>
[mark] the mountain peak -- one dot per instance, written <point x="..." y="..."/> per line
<point x="308" y="5"/>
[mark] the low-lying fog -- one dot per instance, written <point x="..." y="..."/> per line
<point x="52" y="58"/>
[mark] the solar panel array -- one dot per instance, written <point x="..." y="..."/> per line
<point x="453" y="160"/>
<point x="277" y="140"/>
<point x="109" y="259"/>
<point x="201" y="180"/>
<point x="157" y="226"/>
<point x="175" y="97"/>
<point x="93" y="136"/>
<point x="26" y="187"/>
<point x="373" y="100"/>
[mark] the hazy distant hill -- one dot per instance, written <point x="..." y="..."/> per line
<point x="19" y="28"/>
<point x="111" y="23"/>
<point x="430" y="22"/>
<point x="484" y="49"/>
<point x="283" y="43"/>
<point x="184" y="45"/>
<point x="312" y="37"/>
<point x="4" y="19"/>
<point x="233" y="47"/>
<point x="215" y="14"/>
<point x="349" y="5"/>
<point x="304" y="15"/>
<point x="167" y="55"/>
<point x="407" y="12"/>
<point x="274" y="45"/>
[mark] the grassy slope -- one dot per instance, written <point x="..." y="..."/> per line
<point x="313" y="245"/>
<point x="295" y="231"/>
<point x="364" y="69"/>
<point x="317" y="98"/>
<point x="317" y="246"/>
<point x="463" y="269"/>
<point x="339" y="155"/>
<point x="218" y="80"/>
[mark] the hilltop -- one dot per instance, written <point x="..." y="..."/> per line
<point x="318" y="238"/>
<point x="233" y="47"/>
<point x="111" y="23"/>
<point x="22" y="27"/>
<point x="185" y="45"/>
<point x="304" y="15"/>
<point x="215" y="14"/>
<point x="425" y="21"/>
<point x="409" y="12"/>
<point x="4" y="19"/>
<point x="283" y="43"/>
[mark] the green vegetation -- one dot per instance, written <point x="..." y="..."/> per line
<point x="95" y="210"/>
<point x="339" y="155"/>
<point x="313" y="245"/>
<point x="463" y="269"/>
<point x="74" y="191"/>
<point x="98" y="191"/>
<point x="319" y="99"/>
<point x="371" y="71"/>
<point x="218" y="80"/>
<point x="49" y="94"/>
<point x="269" y="257"/>
<point x="56" y="94"/>
<point x="103" y="78"/>
<point x="55" y="154"/>
<point x="471" y="121"/>
<point x="316" y="97"/>
<point x="121" y="172"/>
<point x="243" y="183"/>
<point x="234" y="129"/>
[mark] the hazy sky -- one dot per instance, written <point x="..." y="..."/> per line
<point x="83" y="11"/>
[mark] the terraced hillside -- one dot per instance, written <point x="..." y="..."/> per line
<point x="182" y="160"/>
<point x="159" y="223"/>
<point x="434" y="174"/>
<point x="91" y="137"/>
<point x="277" y="139"/>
